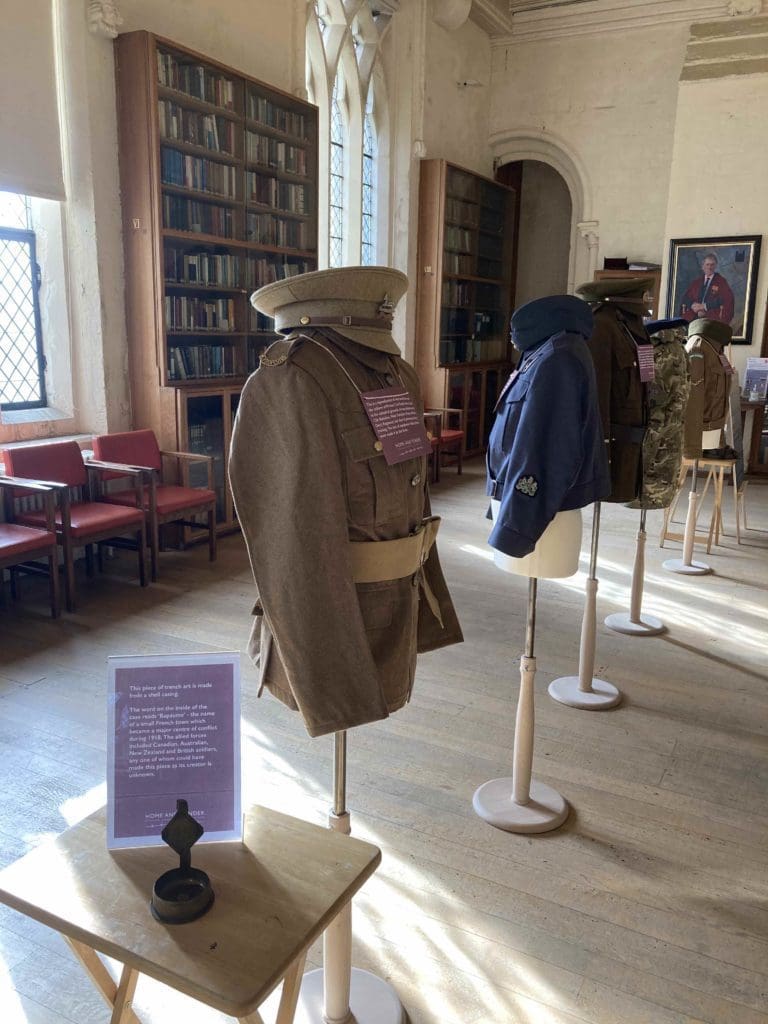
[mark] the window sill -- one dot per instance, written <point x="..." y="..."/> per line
<point x="12" y="416"/>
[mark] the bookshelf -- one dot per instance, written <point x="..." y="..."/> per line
<point x="465" y="258"/>
<point x="218" y="177"/>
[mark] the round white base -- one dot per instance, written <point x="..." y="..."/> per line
<point x="694" y="569"/>
<point x="546" y="809"/>
<point x="648" y="625"/>
<point x="371" y="1000"/>
<point x="602" y="695"/>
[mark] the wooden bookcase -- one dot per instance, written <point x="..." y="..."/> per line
<point x="466" y="252"/>
<point x="218" y="175"/>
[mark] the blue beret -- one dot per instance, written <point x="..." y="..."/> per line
<point x="654" y="326"/>
<point x="541" y="319"/>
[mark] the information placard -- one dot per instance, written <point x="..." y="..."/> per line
<point x="173" y="732"/>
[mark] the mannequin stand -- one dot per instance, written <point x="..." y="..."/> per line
<point x="686" y="564"/>
<point x="337" y="993"/>
<point x="635" y="624"/>
<point x="519" y="804"/>
<point x="584" y="690"/>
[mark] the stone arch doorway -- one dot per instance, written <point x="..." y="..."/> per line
<point x="531" y="146"/>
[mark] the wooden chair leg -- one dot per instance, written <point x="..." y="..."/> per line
<point x="100" y="556"/>
<point x="69" y="572"/>
<point x="154" y="544"/>
<point x="141" y="542"/>
<point x="2" y="588"/>
<point x="53" y="572"/>
<point x="212" y="535"/>
<point x="13" y="572"/>
<point x="736" y="503"/>
<point x="459" y="458"/>
<point x="90" y="569"/>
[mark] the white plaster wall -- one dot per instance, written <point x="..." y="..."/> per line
<point x="718" y="175"/>
<point x="456" y="118"/>
<point x="544" y="235"/>
<point x="609" y="98"/>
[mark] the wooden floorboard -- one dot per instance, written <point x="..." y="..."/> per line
<point x="649" y="906"/>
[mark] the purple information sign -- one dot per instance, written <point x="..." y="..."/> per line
<point x="396" y="424"/>
<point x="645" y="362"/>
<point x="174" y="731"/>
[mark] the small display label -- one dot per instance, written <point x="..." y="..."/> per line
<point x="397" y="424"/>
<point x="645" y="363"/>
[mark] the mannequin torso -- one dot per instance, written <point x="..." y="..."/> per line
<point x="556" y="554"/>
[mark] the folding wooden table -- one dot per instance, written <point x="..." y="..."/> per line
<point x="275" y="893"/>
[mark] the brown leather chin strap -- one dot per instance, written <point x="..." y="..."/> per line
<point x="377" y="323"/>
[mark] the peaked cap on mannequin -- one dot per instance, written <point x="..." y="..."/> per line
<point x="713" y="330"/>
<point x="356" y="302"/>
<point x="540" y="319"/>
<point x="612" y="289"/>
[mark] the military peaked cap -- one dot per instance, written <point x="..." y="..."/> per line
<point x="655" y="326"/>
<point x="357" y="302"/>
<point x="712" y="330"/>
<point x="541" y="319"/>
<point x="615" y="288"/>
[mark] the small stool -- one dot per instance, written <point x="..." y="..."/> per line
<point x="716" y="470"/>
<point x="275" y="894"/>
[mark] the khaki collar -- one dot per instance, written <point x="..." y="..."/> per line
<point x="371" y="357"/>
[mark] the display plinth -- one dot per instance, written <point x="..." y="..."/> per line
<point x="546" y="808"/>
<point x="686" y="565"/>
<point x="371" y="1001"/>
<point x="601" y="696"/>
<point x="622" y="622"/>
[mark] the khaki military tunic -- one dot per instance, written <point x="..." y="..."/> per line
<point x="621" y="394"/>
<point x="310" y="481"/>
<point x="710" y="392"/>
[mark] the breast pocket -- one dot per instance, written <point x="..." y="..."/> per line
<point x="625" y="381"/>
<point x="371" y="485"/>
<point x="508" y="419"/>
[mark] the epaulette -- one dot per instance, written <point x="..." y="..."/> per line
<point x="280" y="351"/>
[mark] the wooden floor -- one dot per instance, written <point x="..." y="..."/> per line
<point x="649" y="906"/>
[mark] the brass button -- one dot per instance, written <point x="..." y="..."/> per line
<point x="378" y="446"/>
<point x="416" y="480"/>
<point x="304" y="320"/>
<point x="389" y="378"/>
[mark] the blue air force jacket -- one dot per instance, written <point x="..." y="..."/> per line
<point x="546" y="452"/>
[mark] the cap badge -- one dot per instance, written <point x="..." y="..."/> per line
<point x="527" y="485"/>
<point x="304" y="320"/>
<point x="386" y="308"/>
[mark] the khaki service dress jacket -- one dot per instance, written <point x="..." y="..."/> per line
<point x="621" y="393"/>
<point x="309" y="482"/>
<point x="709" y="399"/>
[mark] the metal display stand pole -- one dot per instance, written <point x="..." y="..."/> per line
<point x="686" y="564"/>
<point x="584" y="690"/>
<point x="337" y="993"/>
<point x="520" y="804"/>
<point x="635" y="624"/>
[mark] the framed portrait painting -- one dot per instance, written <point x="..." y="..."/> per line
<point x="715" y="278"/>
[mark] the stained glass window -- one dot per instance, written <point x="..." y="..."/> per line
<point x="336" y="227"/>
<point x="368" y="235"/>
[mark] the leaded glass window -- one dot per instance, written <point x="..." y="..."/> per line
<point x="22" y="365"/>
<point x="336" y="227"/>
<point x="368" y="236"/>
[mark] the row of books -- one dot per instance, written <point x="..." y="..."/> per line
<point x="206" y="130"/>
<point x="189" y="313"/>
<point x="262" y="324"/>
<point x="457" y="293"/>
<point x="266" y="229"/>
<point x="488" y="296"/>
<point x="280" y="156"/>
<point x="458" y="239"/>
<point x="461" y="185"/>
<point x="195" y="80"/>
<point x="201" y="218"/>
<point x="282" y="195"/>
<point x="458" y="263"/>
<point x="490" y="247"/>
<point x="198" y="173"/>
<point x="191" y="361"/>
<point x="266" y="269"/>
<point x="204" y="268"/>
<point x="461" y="212"/>
<point x="270" y="114"/>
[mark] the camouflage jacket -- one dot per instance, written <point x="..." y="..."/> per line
<point x="663" y="443"/>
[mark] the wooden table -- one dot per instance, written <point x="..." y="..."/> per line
<point x="275" y="894"/>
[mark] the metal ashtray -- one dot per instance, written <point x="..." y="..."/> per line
<point x="184" y="893"/>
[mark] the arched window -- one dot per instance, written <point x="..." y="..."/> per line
<point x="368" y="232"/>
<point x="345" y="79"/>
<point x="336" y="230"/>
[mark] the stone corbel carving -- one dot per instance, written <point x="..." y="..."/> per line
<point x="588" y="231"/>
<point x="104" y="18"/>
<point x="737" y="7"/>
<point x="451" y="14"/>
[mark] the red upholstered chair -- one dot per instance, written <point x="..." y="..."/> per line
<point x="80" y="521"/>
<point x="20" y="544"/>
<point x="451" y="435"/>
<point x="433" y="425"/>
<point x="162" y="502"/>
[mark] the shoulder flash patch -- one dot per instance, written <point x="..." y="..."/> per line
<point x="527" y="485"/>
